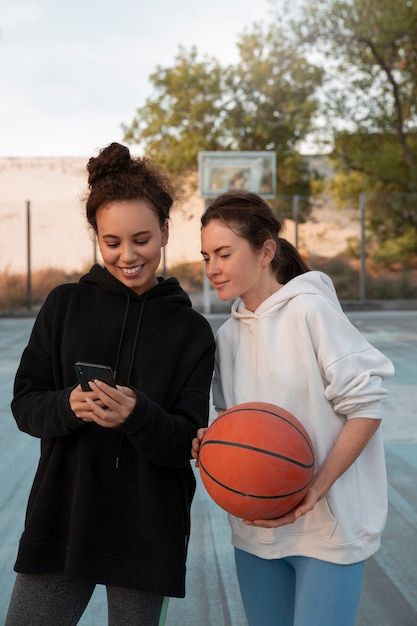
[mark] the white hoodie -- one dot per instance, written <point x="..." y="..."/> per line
<point x="298" y="350"/>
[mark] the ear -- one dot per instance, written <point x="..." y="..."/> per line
<point x="165" y="234"/>
<point x="268" y="252"/>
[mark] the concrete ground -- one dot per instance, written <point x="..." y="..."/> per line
<point x="390" y="591"/>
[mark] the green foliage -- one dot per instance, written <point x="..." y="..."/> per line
<point x="265" y="102"/>
<point x="342" y="70"/>
<point x="390" y="218"/>
<point x="368" y="49"/>
<point x="293" y="176"/>
<point x="391" y="223"/>
<point x="185" y="113"/>
<point x="271" y="94"/>
<point x="397" y="250"/>
<point x="377" y="159"/>
<point x="370" y="52"/>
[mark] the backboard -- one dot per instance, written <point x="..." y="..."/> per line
<point x="221" y="171"/>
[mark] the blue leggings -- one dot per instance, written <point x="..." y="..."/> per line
<point x="298" y="591"/>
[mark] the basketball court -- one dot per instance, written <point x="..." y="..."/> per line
<point x="390" y="592"/>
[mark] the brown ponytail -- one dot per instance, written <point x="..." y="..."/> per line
<point x="288" y="262"/>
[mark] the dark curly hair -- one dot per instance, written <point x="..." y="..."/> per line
<point x="250" y="217"/>
<point x="115" y="176"/>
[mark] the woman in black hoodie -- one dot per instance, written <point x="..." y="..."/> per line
<point x="110" y="503"/>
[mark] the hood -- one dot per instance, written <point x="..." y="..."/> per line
<point x="313" y="282"/>
<point x="168" y="292"/>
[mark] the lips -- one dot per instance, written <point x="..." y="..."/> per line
<point x="131" y="271"/>
<point x="219" y="285"/>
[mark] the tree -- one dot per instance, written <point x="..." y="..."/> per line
<point x="368" y="49"/>
<point x="272" y="102"/>
<point x="265" y="102"/>
<point x="272" y="93"/>
<point x="185" y="113"/>
<point x="370" y="52"/>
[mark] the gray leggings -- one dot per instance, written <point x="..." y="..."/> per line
<point x="52" y="600"/>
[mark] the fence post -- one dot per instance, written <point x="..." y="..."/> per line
<point x="29" y="254"/>
<point x="362" y="272"/>
<point x="296" y="216"/>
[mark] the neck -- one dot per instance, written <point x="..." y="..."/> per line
<point x="253" y="301"/>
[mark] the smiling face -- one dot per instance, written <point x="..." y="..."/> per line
<point x="234" y="268"/>
<point x="130" y="239"/>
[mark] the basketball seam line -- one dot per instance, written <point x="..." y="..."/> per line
<point x="277" y="415"/>
<point x="253" y="495"/>
<point x="255" y="449"/>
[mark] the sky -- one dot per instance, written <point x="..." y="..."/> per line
<point x="71" y="73"/>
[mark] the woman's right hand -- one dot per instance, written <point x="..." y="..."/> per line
<point x="195" y="445"/>
<point x="79" y="405"/>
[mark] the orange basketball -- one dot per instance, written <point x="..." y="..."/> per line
<point x="256" y="461"/>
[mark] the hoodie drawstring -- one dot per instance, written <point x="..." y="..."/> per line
<point x="132" y="358"/>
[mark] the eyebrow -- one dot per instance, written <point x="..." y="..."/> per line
<point x="219" y="249"/>
<point x="138" y="234"/>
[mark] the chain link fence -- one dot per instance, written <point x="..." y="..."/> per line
<point x="368" y="246"/>
<point x="50" y="235"/>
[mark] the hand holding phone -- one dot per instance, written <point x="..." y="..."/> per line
<point x="93" y="371"/>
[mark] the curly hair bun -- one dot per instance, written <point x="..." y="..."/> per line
<point x="112" y="160"/>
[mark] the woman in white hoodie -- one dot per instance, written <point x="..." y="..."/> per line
<point x="289" y="343"/>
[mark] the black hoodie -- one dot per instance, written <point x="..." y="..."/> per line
<point x="112" y="506"/>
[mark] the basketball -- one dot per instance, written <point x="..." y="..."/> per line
<point x="256" y="461"/>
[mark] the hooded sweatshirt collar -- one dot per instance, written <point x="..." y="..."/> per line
<point x="313" y="282"/>
<point x="167" y="293"/>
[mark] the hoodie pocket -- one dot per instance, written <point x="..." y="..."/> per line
<point x="320" y="521"/>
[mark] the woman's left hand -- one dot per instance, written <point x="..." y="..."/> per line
<point x="352" y="439"/>
<point x="117" y="404"/>
<point x="307" y="504"/>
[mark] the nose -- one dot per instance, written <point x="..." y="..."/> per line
<point x="127" y="253"/>
<point x="212" y="268"/>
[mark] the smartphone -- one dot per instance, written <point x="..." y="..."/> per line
<point x="93" y="371"/>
